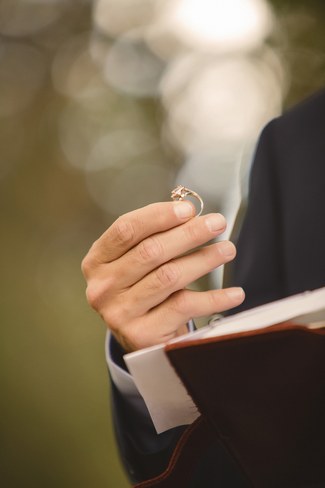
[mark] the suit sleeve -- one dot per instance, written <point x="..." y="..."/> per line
<point x="143" y="452"/>
<point x="258" y="266"/>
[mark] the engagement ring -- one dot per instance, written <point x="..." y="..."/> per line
<point x="181" y="192"/>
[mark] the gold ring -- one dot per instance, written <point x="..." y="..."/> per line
<point x="181" y="192"/>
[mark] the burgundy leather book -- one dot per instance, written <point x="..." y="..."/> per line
<point x="262" y="394"/>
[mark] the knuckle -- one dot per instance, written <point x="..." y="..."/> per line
<point x="124" y="231"/>
<point x="214" y="299"/>
<point x="98" y="292"/>
<point x="159" y="211"/>
<point x="85" y="266"/>
<point x="192" y="232"/>
<point x="218" y="300"/>
<point x="89" y="263"/>
<point x="150" y="250"/>
<point x="180" y="303"/>
<point x="113" y="317"/>
<point x="93" y="295"/>
<point x="168" y="274"/>
<point x="116" y="312"/>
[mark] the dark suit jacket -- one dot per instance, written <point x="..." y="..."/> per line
<point x="280" y="251"/>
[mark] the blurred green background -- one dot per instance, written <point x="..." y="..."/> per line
<point x="104" y="107"/>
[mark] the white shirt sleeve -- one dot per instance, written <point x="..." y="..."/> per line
<point x="121" y="378"/>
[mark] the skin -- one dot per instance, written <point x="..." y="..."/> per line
<point x="138" y="270"/>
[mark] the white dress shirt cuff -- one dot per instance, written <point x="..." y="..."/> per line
<point x="120" y="377"/>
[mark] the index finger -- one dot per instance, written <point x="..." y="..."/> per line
<point x="131" y="228"/>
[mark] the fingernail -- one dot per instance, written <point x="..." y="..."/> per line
<point x="226" y="248"/>
<point x="235" y="293"/>
<point x="215" y="222"/>
<point x="184" y="210"/>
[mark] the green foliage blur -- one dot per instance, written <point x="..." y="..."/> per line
<point x="55" y="415"/>
<point x="56" y="428"/>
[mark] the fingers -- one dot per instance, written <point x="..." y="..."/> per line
<point x="138" y="270"/>
<point x="161" y="248"/>
<point x="172" y="314"/>
<point x="187" y="303"/>
<point x="133" y="227"/>
<point x="175" y="275"/>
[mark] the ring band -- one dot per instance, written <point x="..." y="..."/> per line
<point x="181" y="192"/>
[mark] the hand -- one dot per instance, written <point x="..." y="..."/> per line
<point x="137" y="272"/>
